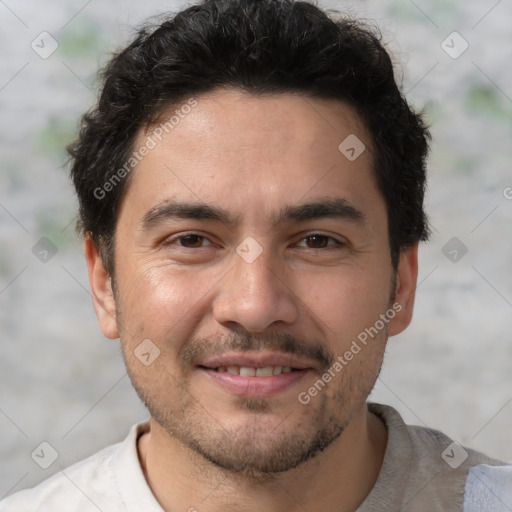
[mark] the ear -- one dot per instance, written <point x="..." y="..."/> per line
<point x="101" y="289"/>
<point x="405" y="290"/>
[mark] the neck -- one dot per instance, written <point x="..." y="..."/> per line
<point x="339" y="478"/>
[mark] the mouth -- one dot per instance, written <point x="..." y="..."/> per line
<point x="255" y="375"/>
<point x="247" y="371"/>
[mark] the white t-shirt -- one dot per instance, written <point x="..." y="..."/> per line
<point x="416" y="476"/>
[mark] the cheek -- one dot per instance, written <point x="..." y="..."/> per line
<point x="162" y="303"/>
<point x="346" y="301"/>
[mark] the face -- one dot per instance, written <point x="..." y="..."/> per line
<point x="251" y="254"/>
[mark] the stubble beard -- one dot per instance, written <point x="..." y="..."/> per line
<point x="251" y="450"/>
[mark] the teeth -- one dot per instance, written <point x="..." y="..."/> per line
<point x="262" y="372"/>
<point x="245" y="371"/>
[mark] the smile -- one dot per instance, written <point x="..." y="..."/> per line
<point x="246" y="371"/>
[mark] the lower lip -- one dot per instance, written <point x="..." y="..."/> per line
<point x="254" y="386"/>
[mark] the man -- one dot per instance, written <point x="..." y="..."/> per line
<point x="251" y="197"/>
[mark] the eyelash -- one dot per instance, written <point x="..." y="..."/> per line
<point x="336" y="245"/>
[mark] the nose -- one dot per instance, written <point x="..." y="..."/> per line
<point x="255" y="296"/>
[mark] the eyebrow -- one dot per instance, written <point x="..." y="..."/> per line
<point x="179" y="210"/>
<point x="334" y="208"/>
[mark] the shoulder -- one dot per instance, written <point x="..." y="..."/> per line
<point x="77" y="486"/>
<point x="428" y="444"/>
<point x="88" y="485"/>
<point x="427" y="469"/>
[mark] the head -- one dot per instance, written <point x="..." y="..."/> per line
<point x="251" y="186"/>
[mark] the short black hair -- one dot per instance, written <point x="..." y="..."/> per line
<point x="261" y="47"/>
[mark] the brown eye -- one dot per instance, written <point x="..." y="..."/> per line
<point x="191" y="241"/>
<point x="317" y="241"/>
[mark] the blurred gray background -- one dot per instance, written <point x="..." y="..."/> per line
<point x="63" y="383"/>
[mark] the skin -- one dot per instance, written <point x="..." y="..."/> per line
<point x="208" y="448"/>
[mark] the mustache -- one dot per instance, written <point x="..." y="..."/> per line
<point x="197" y="349"/>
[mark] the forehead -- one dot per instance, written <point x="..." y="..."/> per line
<point x="240" y="149"/>
<point x="231" y="117"/>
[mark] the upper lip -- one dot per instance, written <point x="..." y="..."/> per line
<point x="256" y="360"/>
